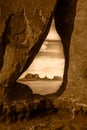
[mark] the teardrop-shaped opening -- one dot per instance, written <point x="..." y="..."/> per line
<point x="45" y="74"/>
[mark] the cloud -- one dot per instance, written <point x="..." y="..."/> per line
<point x="44" y="47"/>
<point x="52" y="49"/>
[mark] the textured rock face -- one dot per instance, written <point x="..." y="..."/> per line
<point x="72" y="27"/>
<point x="23" y="28"/>
<point x="77" y="74"/>
<point x="41" y="114"/>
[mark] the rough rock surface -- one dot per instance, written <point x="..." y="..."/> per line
<point x="77" y="73"/>
<point x="71" y="24"/>
<point x="43" y="114"/>
<point x="23" y="28"/>
<point x="50" y="112"/>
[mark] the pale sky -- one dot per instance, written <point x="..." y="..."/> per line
<point x="50" y="59"/>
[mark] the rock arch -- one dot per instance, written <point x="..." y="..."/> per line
<point x="23" y="29"/>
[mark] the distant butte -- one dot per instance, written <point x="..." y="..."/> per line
<point x="33" y="77"/>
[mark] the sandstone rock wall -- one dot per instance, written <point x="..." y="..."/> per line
<point x="77" y="77"/>
<point x="71" y="24"/>
<point x="23" y="28"/>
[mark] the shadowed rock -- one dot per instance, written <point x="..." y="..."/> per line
<point x="17" y="91"/>
<point x="71" y="24"/>
<point x="64" y="21"/>
<point x="23" y="28"/>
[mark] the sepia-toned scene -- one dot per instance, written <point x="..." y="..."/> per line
<point x="48" y="66"/>
<point x="43" y="65"/>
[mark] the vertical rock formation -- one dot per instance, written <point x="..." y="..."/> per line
<point x="77" y="74"/>
<point x="23" y="28"/>
<point x="64" y="20"/>
<point x="71" y="24"/>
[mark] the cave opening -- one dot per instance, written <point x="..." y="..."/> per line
<point x="45" y="74"/>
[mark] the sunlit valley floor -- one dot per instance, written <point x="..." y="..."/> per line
<point x="43" y="87"/>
